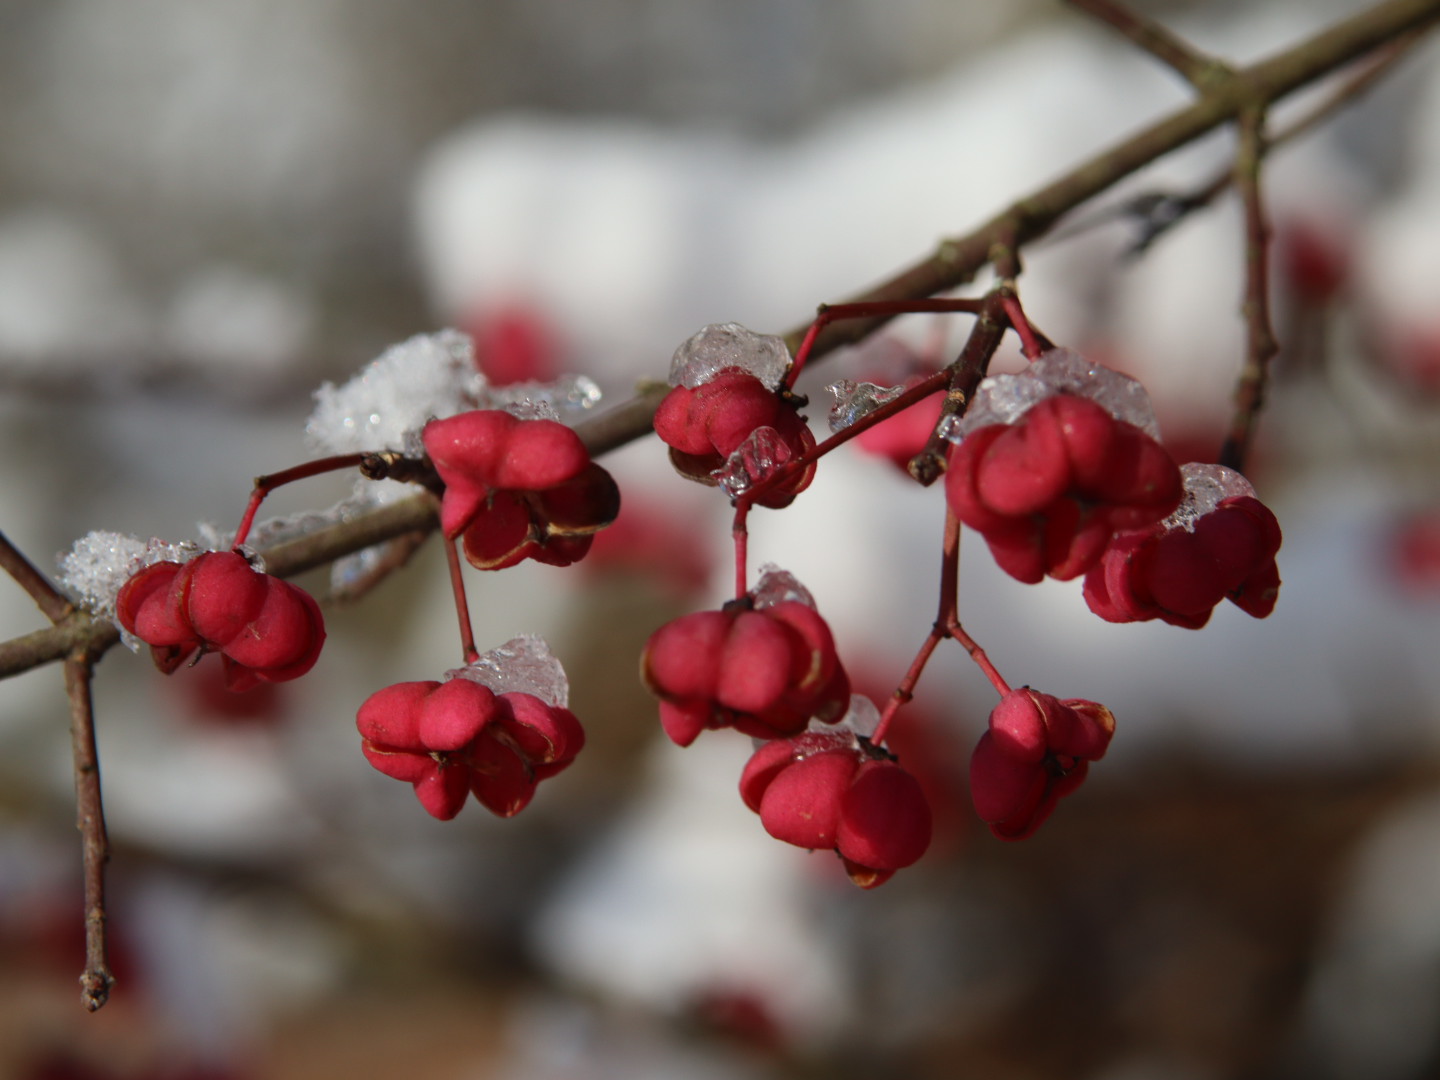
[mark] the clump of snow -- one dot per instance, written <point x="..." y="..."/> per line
<point x="430" y="375"/>
<point x="720" y="346"/>
<point x="100" y="562"/>
<point x="523" y="664"/>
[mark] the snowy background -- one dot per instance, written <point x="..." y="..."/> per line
<point x="208" y="208"/>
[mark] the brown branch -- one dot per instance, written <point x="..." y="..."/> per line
<point x="96" y="980"/>
<point x="54" y="606"/>
<point x="954" y="263"/>
<point x="1158" y="212"/>
<point x="1194" y="66"/>
<point x="1261" y="346"/>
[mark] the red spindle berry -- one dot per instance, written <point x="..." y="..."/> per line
<point x="1050" y="490"/>
<point x="453" y="739"/>
<point x="1179" y="576"/>
<point x="1038" y="748"/>
<point x="518" y="489"/>
<point x="265" y="629"/>
<point x="830" y="791"/>
<point x="704" y="425"/>
<point x="764" y="672"/>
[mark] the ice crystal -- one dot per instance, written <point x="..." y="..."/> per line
<point x="100" y="562"/>
<point x="754" y="460"/>
<point x="1003" y="399"/>
<point x="1206" y="487"/>
<point x="566" y="399"/>
<point x="525" y="664"/>
<point x="776" y="586"/>
<point x="856" y="399"/>
<point x="729" y="345"/>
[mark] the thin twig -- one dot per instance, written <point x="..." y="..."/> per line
<point x="96" y="980"/>
<point x="52" y="604"/>
<point x="1261" y="346"/>
<point x="1194" y="66"/>
<point x="1158" y="212"/>
<point x="954" y="263"/>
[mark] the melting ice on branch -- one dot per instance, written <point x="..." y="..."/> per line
<point x="566" y="399"/>
<point x="525" y="664"/>
<point x="729" y="345"/>
<point x="856" y="399"/>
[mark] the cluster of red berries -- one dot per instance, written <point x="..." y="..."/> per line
<point x="518" y="489"/>
<point x="1050" y="491"/>
<point x="264" y="629"/>
<point x="1069" y="489"/>
<point x="768" y="671"/>
<point x="455" y="738"/>
<point x="705" y="424"/>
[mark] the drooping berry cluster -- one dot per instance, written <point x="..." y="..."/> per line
<point x="766" y="666"/>
<point x="1037" y="749"/>
<point x="264" y="629"/>
<point x="1051" y="490"/>
<point x="765" y="672"/>
<point x="451" y="739"/>
<point x="518" y="489"/>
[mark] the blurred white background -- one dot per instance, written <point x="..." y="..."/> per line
<point x="208" y="207"/>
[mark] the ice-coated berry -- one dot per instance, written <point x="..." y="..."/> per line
<point x="1179" y="576"/>
<point x="1049" y="491"/>
<point x="706" y="424"/>
<point x="453" y="739"/>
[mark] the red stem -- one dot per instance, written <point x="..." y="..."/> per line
<point x="266" y="484"/>
<point x="921" y="390"/>
<point x="741" y="535"/>
<point x="1029" y="343"/>
<point x="944" y="618"/>
<point x="462" y="605"/>
<point x="866" y="309"/>
<point x="977" y="654"/>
